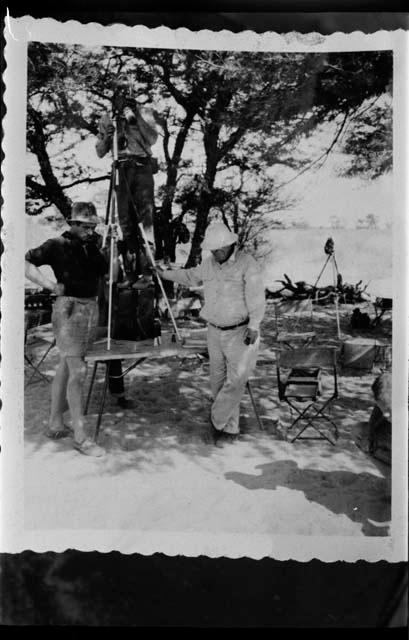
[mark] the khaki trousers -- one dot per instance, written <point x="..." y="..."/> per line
<point x="75" y="322"/>
<point x="231" y="364"/>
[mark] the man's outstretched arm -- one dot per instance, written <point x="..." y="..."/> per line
<point x="189" y="277"/>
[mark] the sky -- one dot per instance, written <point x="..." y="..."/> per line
<point x="326" y="199"/>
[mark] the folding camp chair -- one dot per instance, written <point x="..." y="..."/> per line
<point x="288" y="317"/>
<point x="299" y="377"/>
<point x="33" y="321"/>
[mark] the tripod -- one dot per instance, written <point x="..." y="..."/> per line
<point x="112" y="229"/>
<point x="330" y="251"/>
<point x="111" y="225"/>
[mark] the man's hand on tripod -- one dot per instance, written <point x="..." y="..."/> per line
<point x="110" y="230"/>
<point x="109" y="133"/>
<point x="129" y="115"/>
<point x="160" y="271"/>
<point x="161" y="118"/>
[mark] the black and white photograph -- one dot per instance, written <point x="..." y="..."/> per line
<point x="206" y="232"/>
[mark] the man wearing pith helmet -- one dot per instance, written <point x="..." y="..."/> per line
<point x="234" y="308"/>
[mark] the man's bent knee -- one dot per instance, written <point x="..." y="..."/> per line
<point x="77" y="367"/>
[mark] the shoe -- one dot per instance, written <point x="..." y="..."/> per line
<point x="226" y="438"/>
<point x="214" y="432"/>
<point x="230" y="437"/>
<point x="89" y="448"/>
<point x="220" y="438"/>
<point x="57" y="434"/>
<point x="125" y="403"/>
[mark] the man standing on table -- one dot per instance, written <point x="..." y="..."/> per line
<point x="234" y="308"/>
<point x="136" y="133"/>
<point x="78" y="265"/>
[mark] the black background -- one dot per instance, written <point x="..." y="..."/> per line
<point x="159" y="591"/>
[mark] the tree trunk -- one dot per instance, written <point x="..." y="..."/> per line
<point x="213" y="156"/>
<point x="198" y="235"/>
<point x="165" y="246"/>
<point x="37" y="143"/>
<point x="205" y="203"/>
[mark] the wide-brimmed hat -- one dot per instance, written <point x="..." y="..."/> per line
<point x="83" y="212"/>
<point x="217" y="236"/>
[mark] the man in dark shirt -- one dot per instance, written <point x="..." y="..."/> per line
<point x="78" y="265"/>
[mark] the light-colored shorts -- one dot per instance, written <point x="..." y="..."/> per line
<point x="75" y="322"/>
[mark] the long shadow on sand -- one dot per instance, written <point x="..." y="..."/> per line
<point x="326" y="488"/>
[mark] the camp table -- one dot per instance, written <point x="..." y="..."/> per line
<point x="126" y="350"/>
<point x="130" y="351"/>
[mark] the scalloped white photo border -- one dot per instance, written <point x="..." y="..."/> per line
<point x="14" y="538"/>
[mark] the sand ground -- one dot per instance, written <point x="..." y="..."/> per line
<point x="161" y="471"/>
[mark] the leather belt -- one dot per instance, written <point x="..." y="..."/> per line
<point x="232" y="326"/>
<point x="139" y="159"/>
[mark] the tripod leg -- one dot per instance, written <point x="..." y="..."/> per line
<point x="112" y="214"/>
<point x="101" y="407"/>
<point x="111" y="184"/>
<point x="165" y="297"/>
<point x="322" y="271"/>
<point x="260" y="424"/>
<point x="334" y="271"/>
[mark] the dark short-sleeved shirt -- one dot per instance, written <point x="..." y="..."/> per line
<point x="76" y="264"/>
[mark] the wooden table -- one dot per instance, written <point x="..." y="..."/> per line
<point x="136" y="352"/>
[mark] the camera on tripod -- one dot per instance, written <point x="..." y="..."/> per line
<point x="123" y="100"/>
<point x="129" y="115"/>
<point x="124" y="108"/>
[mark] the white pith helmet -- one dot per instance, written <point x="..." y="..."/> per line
<point x="217" y="236"/>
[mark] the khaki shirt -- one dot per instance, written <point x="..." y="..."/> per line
<point x="233" y="291"/>
<point x="139" y="137"/>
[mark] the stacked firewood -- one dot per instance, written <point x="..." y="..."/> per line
<point x="344" y="292"/>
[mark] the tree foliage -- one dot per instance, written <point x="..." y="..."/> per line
<point x="369" y="142"/>
<point x="228" y="119"/>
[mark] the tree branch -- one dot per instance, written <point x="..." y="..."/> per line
<point x="322" y="157"/>
<point x="38" y="189"/>
<point x="39" y="209"/>
<point x="166" y="138"/>
<point x="88" y="180"/>
<point x="230" y="143"/>
<point x="36" y="138"/>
